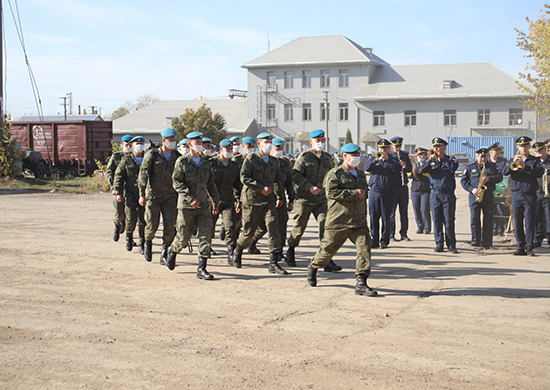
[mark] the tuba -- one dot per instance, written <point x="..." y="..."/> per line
<point x="481" y="187"/>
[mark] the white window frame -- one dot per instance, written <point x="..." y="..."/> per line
<point x="323" y="111"/>
<point x="343" y="78"/>
<point x="306" y="112"/>
<point x="270" y="79"/>
<point x="343" y="112"/>
<point x="270" y="112"/>
<point x="515" y="115"/>
<point x="289" y="113"/>
<point x="484" y="117"/>
<point x="289" y="79"/>
<point x="449" y="118"/>
<point x="289" y="145"/>
<point x="325" y="78"/>
<point x="341" y="142"/>
<point x="306" y="79"/>
<point x="410" y="118"/>
<point x="379" y="119"/>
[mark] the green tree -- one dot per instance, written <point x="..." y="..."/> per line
<point x="536" y="44"/>
<point x="349" y="139"/>
<point x="211" y="125"/>
<point x="8" y="154"/>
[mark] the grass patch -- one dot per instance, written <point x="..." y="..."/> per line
<point x="76" y="185"/>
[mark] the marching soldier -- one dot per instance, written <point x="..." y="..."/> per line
<point x="248" y="145"/>
<point x="382" y="186"/>
<point x="127" y="192"/>
<point x="183" y="149"/>
<point x="481" y="196"/>
<point x="236" y="141"/>
<point x="346" y="190"/>
<point x="262" y="194"/>
<point x="420" y="193"/>
<point x="308" y="173"/>
<point x="157" y="194"/>
<point x="401" y="191"/>
<point x="194" y="182"/>
<point x="112" y="165"/>
<point x="207" y="147"/>
<point x="441" y="169"/>
<point x="500" y="212"/>
<point x="543" y="196"/>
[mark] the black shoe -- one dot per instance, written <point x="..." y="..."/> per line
<point x="148" y="250"/>
<point x="311" y="275"/>
<point x="438" y="249"/>
<point x="230" y="250"/>
<point x="393" y="238"/>
<point x="202" y="273"/>
<point x="453" y="250"/>
<point x="427" y="231"/>
<point x="332" y="267"/>
<point x="222" y="233"/>
<point x="374" y="246"/>
<point x="405" y="238"/>
<point x="141" y="245"/>
<point x="274" y="267"/>
<point x="383" y="245"/>
<point x="530" y="252"/>
<point x="252" y="248"/>
<point x="237" y="256"/>
<point x="419" y="231"/>
<point x="170" y="260"/>
<point x="116" y="233"/>
<point x="537" y="244"/>
<point x="487" y="247"/>
<point x="129" y="242"/>
<point x="164" y="255"/>
<point x="475" y="244"/>
<point x="361" y="287"/>
<point x="520" y="252"/>
<point x="290" y="259"/>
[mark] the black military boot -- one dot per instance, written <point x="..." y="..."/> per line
<point x="148" y="250"/>
<point x="311" y="275"/>
<point x="290" y="260"/>
<point x="222" y="233"/>
<point x="142" y="245"/>
<point x="230" y="250"/>
<point x="170" y="259"/>
<point x="237" y="256"/>
<point x="274" y="266"/>
<point x="164" y="255"/>
<point x="361" y="287"/>
<point x="332" y="267"/>
<point x="202" y="273"/>
<point x="122" y="226"/>
<point x="252" y="248"/>
<point x="129" y="242"/>
<point x="116" y="233"/>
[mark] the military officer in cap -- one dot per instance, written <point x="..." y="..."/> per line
<point x="198" y="199"/>
<point x="157" y="194"/>
<point x="116" y="158"/>
<point x="524" y="170"/>
<point x="543" y="196"/>
<point x="420" y="193"/>
<point x="481" y="198"/>
<point x="346" y="189"/>
<point x="308" y="173"/>
<point x="262" y="194"/>
<point x="183" y="148"/>
<point x="441" y="169"/>
<point x="384" y="170"/>
<point x="127" y="192"/>
<point x="401" y="192"/>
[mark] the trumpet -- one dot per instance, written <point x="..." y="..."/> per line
<point x="379" y="156"/>
<point x="515" y="166"/>
<point x="432" y="153"/>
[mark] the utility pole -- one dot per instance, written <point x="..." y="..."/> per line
<point x="70" y="95"/>
<point x="326" y="120"/>
<point x="64" y="104"/>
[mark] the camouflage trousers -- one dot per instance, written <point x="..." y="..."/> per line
<point x="119" y="211"/>
<point x="253" y="217"/>
<point x="282" y="224"/>
<point x="153" y="210"/>
<point x="229" y="223"/>
<point x="333" y="241"/>
<point x="134" y="214"/>
<point x="188" y="219"/>
<point x="302" y="212"/>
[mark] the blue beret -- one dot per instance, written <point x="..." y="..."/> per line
<point x="317" y="133"/>
<point x="396" y="140"/>
<point x="138" y="139"/>
<point x="127" y="138"/>
<point x="278" y="142"/>
<point x="183" y="142"/>
<point x="523" y="140"/>
<point x="249" y="141"/>
<point x="264" y="136"/>
<point x="350" y="148"/>
<point x="384" y="143"/>
<point x="224" y="143"/>
<point x="233" y="139"/>
<point x="168" y="132"/>
<point x="194" y="135"/>
<point x="206" y="139"/>
<point x="438" y="141"/>
<point x="289" y="155"/>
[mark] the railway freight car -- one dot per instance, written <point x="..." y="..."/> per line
<point x="73" y="146"/>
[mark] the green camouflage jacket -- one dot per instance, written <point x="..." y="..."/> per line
<point x="194" y="182"/>
<point x="115" y="159"/>
<point x="309" y="170"/>
<point x="155" y="175"/>
<point x="126" y="177"/>
<point x="227" y="180"/>
<point x="239" y="159"/>
<point x="286" y="179"/>
<point x="257" y="174"/>
<point x="344" y="208"/>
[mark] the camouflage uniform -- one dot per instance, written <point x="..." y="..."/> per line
<point x="239" y="160"/>
<point x="309" y="170"/>
<point x="112" y="165"/>
<point x="126" y="183"/>
<point x="346" y="218"/>
<point x="155" y="183"/>
<point x="194" y="182"/>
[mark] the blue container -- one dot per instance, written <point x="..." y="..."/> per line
<point x="470" y="145"/>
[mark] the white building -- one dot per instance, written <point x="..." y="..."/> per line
<point x="288" y="86"/>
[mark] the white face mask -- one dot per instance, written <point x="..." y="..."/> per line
<point x="183" y="150"/>
<point x="319" y="146"/>
<point x="127" y="150"/>
<point x="197" y="148"/>
<point x="228" y="155"/>
<point x="267" y="148"/>
<point x="208" y="152"/>
<point x="278" y="154"/>
<point x="248" y="150"/>
<point x="171" y="145"/>
<point x="236" y="148"/>
<point x="354" y="161"/>
<point x="139" y="148"/>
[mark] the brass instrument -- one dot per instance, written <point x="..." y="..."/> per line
<point x="545" y="183"/>
<point x="379" y="156"/>
<point x="432" y="153"/>
<point x="481" y="187"/>
<point x="515" y="166"/>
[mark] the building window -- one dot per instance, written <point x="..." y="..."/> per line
<point x="483" y="117"/>
<point x="270" y="112"/>
<point x="379" y="118"/>
<point x="344" y="113"/>
<point x="343" y="78"/>
<point x="289" y="113"/>
<point x="289" y="145"/>
<point x="289" y="79"/>
<point x="341" y="142"/>
<point x="325" y="78"/>
<point x="306" y="111"/>
<point x="323" y="111"/>
<point x="515" y="116"/>
<point x="449" y="117"/>
<point x="410" y="118"/>
<point x="306" y="79"/>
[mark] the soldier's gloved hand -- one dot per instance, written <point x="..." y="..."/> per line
<point x="361" y="193"/>
<point x="119" y="198"/>
<point x="266" y="191"/>
<point x="279" y="204"/>
<point x="142" y="201"/>
<point x="290" y="207"/>
<point x="195" y="203"/>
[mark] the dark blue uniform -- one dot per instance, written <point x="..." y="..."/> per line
<point x="382" y="186"/>
<point x="524" y="187"/>
<point x="470" y="181"/>
<point x="543" y="210"/>
<point x="401" y="194"/>
<point x="501" y="212"/>
<point x="420" y="198"/>
<point x="442" y="198"/>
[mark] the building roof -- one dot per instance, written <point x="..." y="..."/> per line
<point x="409" y="82"/>
<point x="57" y="118"/>
<point x="158" y="115"/>
<point x="318" y="50"/>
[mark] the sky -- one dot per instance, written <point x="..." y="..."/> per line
<point x="107" y="52"/>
